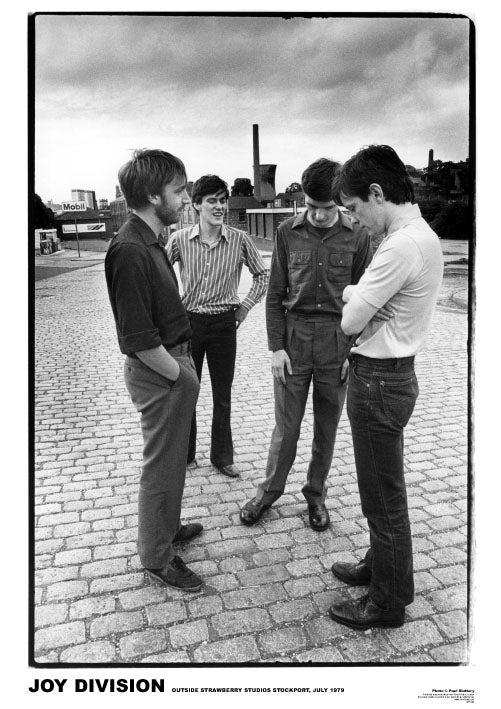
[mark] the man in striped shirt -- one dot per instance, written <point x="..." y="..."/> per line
<point x="210" y="256"/>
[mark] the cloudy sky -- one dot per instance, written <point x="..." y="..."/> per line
<point x="106" y="84"/>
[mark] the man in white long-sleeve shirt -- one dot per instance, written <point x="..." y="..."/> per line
<point x="405" y="275"/>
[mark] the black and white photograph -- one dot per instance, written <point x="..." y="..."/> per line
<point x="251" y="251"/>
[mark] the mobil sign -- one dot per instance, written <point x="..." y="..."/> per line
<point x="74" y="206"/>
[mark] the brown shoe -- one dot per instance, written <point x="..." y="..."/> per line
<point x="177" y="575"/>
<point x="363" y="614"/>
<point x="319" y="517"/>
<point x="355" y="574"/>
<point x="187" y="532"/>
<point x="229" y="470"/>
<point x="252" y="511"/>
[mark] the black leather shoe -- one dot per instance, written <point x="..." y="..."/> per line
<point x="319" y="517"/>
<point x="177" y="575"/>
<point x="192" y="463"/>
<point x="363" y="614"/>
<point x="229" y="470"/>
<point x="187" y="532"/>
<point x="252" y="511"/>
<point x="355" y="574"/>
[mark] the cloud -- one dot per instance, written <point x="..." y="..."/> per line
<point x="198" y="83"/>
<point x="201" y="52"/>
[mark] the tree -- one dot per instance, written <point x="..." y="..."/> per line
<point x="411" y="170"/>
<point x="242" y="187"/>
<point x="43" y="217"/>
<point x="430" y="208"/>
<point x="454" y="222"/>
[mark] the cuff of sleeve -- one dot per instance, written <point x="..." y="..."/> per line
<point x="137" y="341"/>
<point x="246" y="303"/>
<point x="275" y="345"/>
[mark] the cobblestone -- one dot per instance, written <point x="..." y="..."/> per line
<point x="115" y="623"/>
<point x="283" y="640"/>
<point x="190" y="633"/>
<point x="414" y="635"/>
<point x="166" y="613"/>
<point x="245" y="621"/>
<point x="59" y="635"/>
<point x="243" y="649"/>
<point x="146" y="641"/>
<point x="267" y="588"/>
<point x="50" y="614"/>
<point x="99" y="651"/>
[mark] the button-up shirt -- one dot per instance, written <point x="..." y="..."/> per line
<point x="210" y="274"/>
<point x="143" y="291"/>
<point x="309" y="272"/>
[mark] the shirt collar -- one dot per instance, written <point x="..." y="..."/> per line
<point x="344" y="220"/>
<point x="404" y="217"/>
<point x="195" y="231"/>
<point x="300" y="219"/>
<point x="146" y="232"/>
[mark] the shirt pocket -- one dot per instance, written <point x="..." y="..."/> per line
<point x="339" y="266"/>
<point x="299" y="269"/>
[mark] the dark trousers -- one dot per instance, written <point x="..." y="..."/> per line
<point x="166" y="409"/>
<point x="381" y="399"/>
<point x="215" y="337"/>
<point x="317" y="348"/>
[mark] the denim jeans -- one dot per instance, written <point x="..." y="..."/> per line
<point x="381" y="398"/>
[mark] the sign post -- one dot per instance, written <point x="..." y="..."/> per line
<point x="75" y="207"/>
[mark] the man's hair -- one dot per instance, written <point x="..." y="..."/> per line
<point x="317" y="179"/>
<point x="374" y="164"/>
<point x="146" y="173"/>
<point x="208" y="184"/>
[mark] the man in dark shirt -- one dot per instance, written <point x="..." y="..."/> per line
<point x="316" y="255"/>
<point x="154" y="334"/>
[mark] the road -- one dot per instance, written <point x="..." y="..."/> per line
<point x="267" y="588"/>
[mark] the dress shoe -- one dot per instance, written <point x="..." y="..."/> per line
<point x="363" y="614"/>
<point x="252" y="511"/>
<point x="177" y="575"/>
<point x="192" y="463"/>
<point x="319" y="517"/>
<point x="187" y="532"/>
<point x="355" y="574"/>
<point x="229" y="470"/>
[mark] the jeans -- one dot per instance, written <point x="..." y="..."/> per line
<point x="215" y="337"/>
<point x="166" y="409"/>
<point x="381" y="398"/>
<point x="317" y="348"/>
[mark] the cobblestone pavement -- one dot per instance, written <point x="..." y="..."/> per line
<point x="267" y="588"/>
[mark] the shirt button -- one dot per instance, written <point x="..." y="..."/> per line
<point x="319" y="285"/>
<point x="320" y="263"/>
<point x="319" y="305"/>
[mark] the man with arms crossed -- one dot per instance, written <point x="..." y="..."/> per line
<point x="405" y="274"/>
<point x="154" y="334"/>
<point x="316" y="255"/>
<point x="210" y="256"/>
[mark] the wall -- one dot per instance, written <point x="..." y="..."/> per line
<point x="71" y="235"/>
